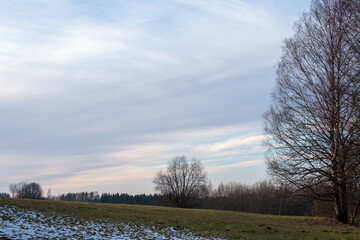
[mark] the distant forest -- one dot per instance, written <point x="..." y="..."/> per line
<point x="262" y="197"/>
<point x="123" y="198"/>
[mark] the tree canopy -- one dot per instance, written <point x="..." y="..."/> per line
<point x="313" y="122"/>
<point x="182" y="182"/>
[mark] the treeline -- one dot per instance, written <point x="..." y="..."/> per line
<point x="263" y="197"/>
<point x="123" y="198"/>
<point x="26" y="190"/>
<point x="34" y="191"/>
<point x="141" y="199"/>
<point x="4" y="195"/>
<point x="79" y="197"/>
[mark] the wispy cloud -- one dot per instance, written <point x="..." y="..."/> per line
<point x="111" y="164"/>
<point x="237" y="10"/>
<point x="222" y="168"/>
<point x="230" y="143"/>
<point x="104" y="176"/>
<point x="101" y="89"/>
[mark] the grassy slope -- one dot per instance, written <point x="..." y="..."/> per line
<point x="233" y="225"/>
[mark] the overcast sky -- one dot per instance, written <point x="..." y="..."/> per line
<point x="100" y="95"/>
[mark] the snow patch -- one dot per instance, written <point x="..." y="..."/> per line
<point x="18" y="223"/>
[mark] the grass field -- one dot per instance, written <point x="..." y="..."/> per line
<point x="206" y="223"/>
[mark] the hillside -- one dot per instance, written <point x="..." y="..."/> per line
<point x="202" y="223"/>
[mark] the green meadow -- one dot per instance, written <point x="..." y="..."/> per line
<point x="206" y="223"/>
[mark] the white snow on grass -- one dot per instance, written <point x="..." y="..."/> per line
<point x="16" y="223"/>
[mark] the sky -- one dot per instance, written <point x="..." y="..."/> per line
<point x="100" y="95"/>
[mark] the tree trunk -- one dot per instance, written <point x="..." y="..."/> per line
<point x="341" y="204"/>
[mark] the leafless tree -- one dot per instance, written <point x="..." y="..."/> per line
<point x="182" y="182"/>
<point x="353" y="7"/>
<point x="263" y="197"/>
<point x="17" y="190"/>
<point x="26" y="190"/>
<point x="48" y="195"/>
<point x="313" y="123"/>
<point x="33" y="190"/>
<point x="13" y="190"/>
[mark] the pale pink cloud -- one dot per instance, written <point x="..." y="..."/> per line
<point x="222" y="168"/>
<point x="231" y="143"/>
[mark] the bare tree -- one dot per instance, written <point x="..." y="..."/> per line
<point x="26" y="190"/>
<point x="13" y="190"/>
<point x="182" y="182"/>
<point x="314" y="120"/>
<point x="18" y="190"/>
<point x="48" y="195"/>
<point x="33" y="190"/>
<point x="353" y="7"/>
